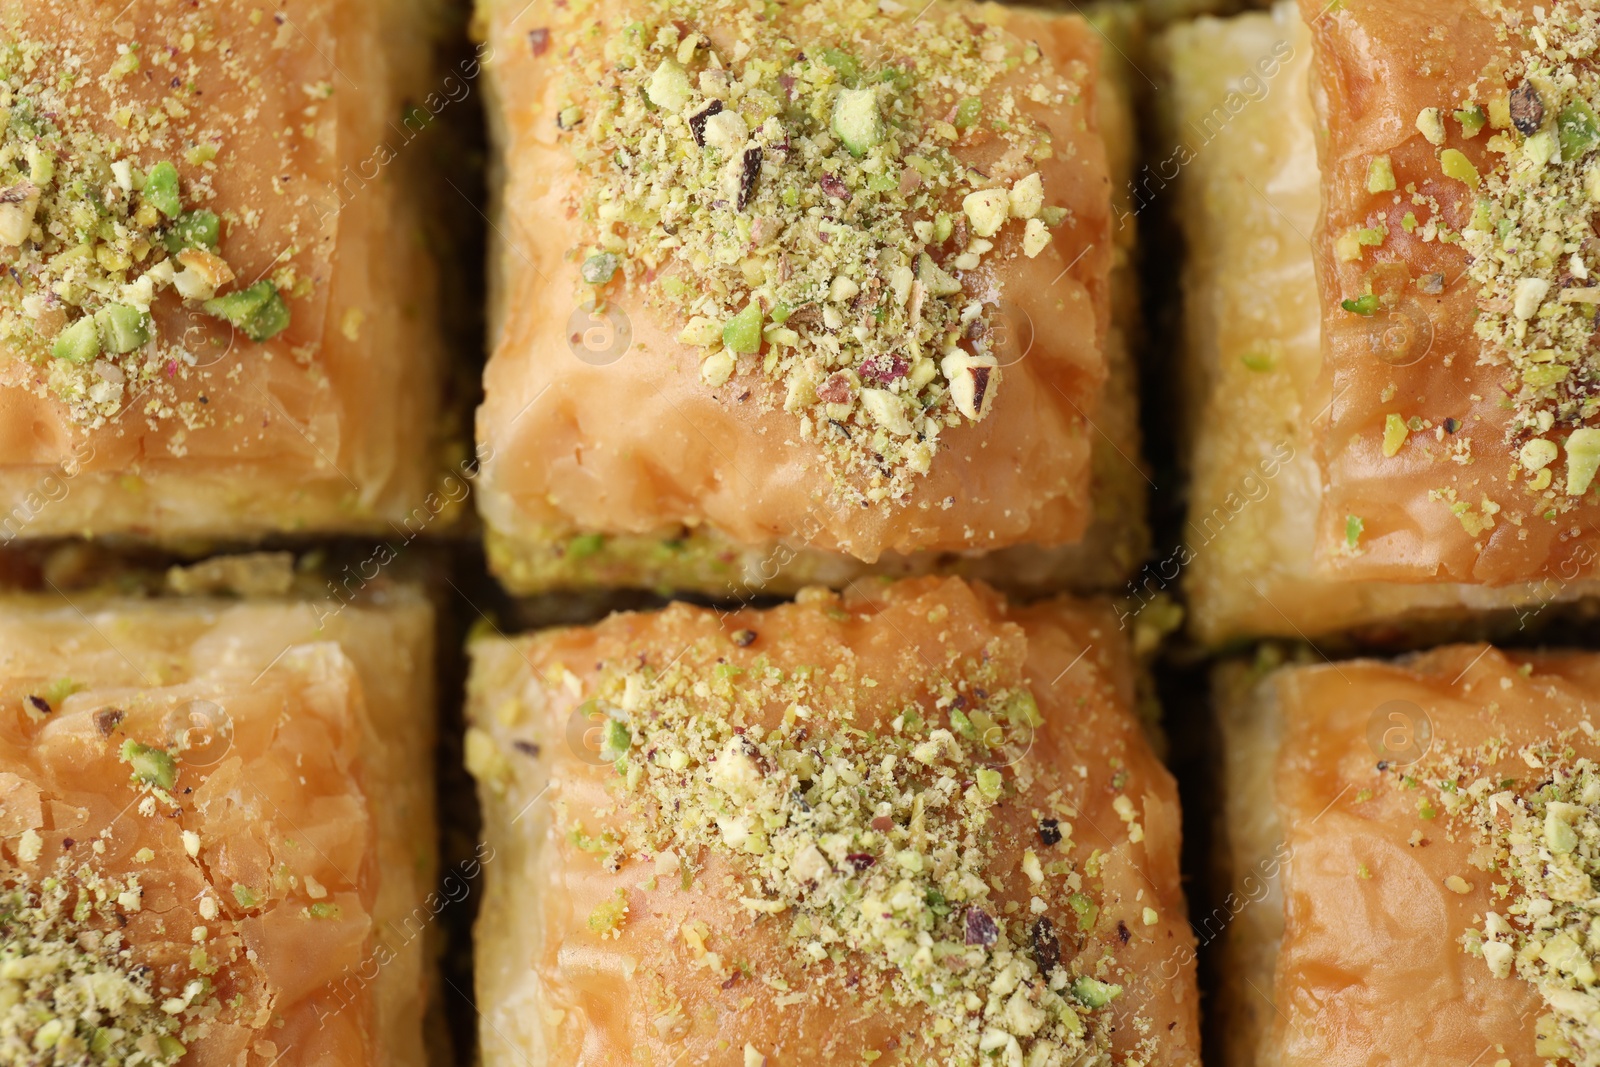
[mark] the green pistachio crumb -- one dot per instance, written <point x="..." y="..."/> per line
<point x="258" y="312"/>
<point x="194" y="229"/>
<point x="152" y="766"/>
<point x="1095" y="994"/>
<point x="1380" y="175"/>
<point x="856" y="120"/>
<point x="121" y="328"/>
<point x="1578" y="130"/>
<point x="161" y="189"/>
<point x="78" y="343"/>
<point x="599" y="268"/>
<point x="1472" y="120"/>
<point x="742" y="333"/>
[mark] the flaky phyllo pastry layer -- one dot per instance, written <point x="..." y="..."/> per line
<point x="917" y="826"/>
<point x="215" y="314"/>
<point x="216" y="832"/>
<point x="835" y="277"/>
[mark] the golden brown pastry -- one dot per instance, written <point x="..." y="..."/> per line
<point x="783" y="297"/>
<point x="908" y="825"/>
<point x="217" y="314"/>
<point x="1367" y="449"/>
<point x="216" y="831"/>
<point x="1412" y="847"/>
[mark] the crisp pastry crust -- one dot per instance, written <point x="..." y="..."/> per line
<point x="1397" y="817"/>
<point x="721" y="464"/>
<point x="1242" y="158"/>
<point x="628" y="911"/>
<point x="225" y="811"/>
<point x="241" y="338"/>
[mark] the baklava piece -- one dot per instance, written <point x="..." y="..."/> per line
<point x="216" y="831"/>
<point x="908" y="828"/>
<point x="1389" y="346"/>
<point x="785" y="296"/>
<point x="217" y="311"/>
<point x="1413" y="847"/>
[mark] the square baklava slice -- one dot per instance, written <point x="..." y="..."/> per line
<point x="906" y="825"/>
<point x="216" y="831"/>
<point x="1388" y="312"/>
<point x="1412" y="848"/>
<point x="217" y="313"/>
<point x="784" y="296"/>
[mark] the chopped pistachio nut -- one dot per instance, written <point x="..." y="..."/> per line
<point x="987" y="210"/>
<point x="1538" y="454"/>
<point x="1583" y="460"/>
<point x="121" y="328"/>
<point x="599" y="268"/>
<point x="822" y="184"/>
<point x="1456" y="165"/>
<point x="258" y="312"/>
<point x="857" y="121"/>
<point x="1380" y="175"/>
<point x="1530" y="239"/>
<point x="95" y="236"/>
<point x="1472" y="120"/>
<point x="1542" y="844"/>
<point x="1395" y="432"/>
<point x="1034" y="238"/>
<point x="152" y="766"/>
<point x="876" y="847"/>
<point x="742" y="333"/>
<point x="71" y="988"/>
<point x="1431" y="125"/>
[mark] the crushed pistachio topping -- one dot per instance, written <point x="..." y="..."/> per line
<point x="1547" y="848"/>
<point x="71" y="990"/>
<point x="806" y="213"/>
<point x="1531" y="237"/>
<point x="99" y="231"/>
<point x="878" y="850"/>
<point x="1534" y="816"/>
